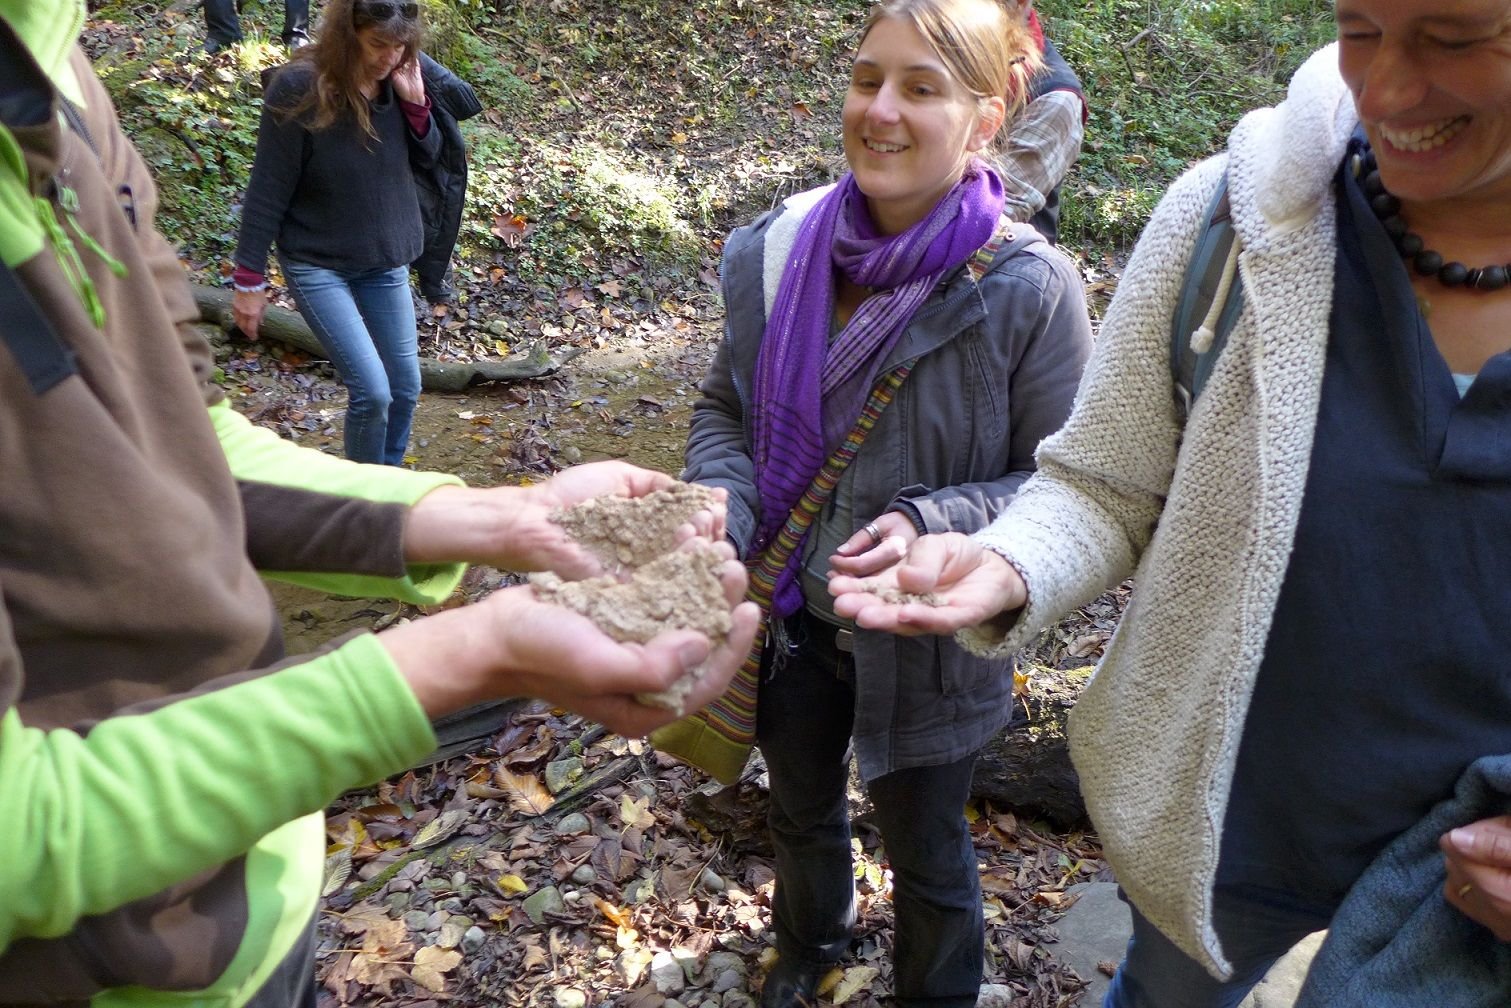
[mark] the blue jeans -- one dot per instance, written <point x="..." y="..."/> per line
<point x="803" y="721"/>
<point x="365" y="321"/>
<point x="1256" y="929"/>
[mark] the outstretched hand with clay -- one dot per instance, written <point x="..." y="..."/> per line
<point x="946" y="582"/>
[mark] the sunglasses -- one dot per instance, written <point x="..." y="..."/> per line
<point x="382" y="10"/>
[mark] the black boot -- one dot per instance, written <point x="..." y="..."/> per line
<point x="791" y="983"/>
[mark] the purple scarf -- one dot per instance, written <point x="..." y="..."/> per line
<point x="809" y="390"/>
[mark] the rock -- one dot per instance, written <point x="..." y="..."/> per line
<point x="562" y="774"/>
<point x="726" y="980"/>
<point x="719" y="961"/>
<point x="584" y="875"/>
<point x="569" y="997"/>
<point x="572" y="824"/>
<point x="712" y="881"/>
<point x="994" y="996"/>
<point x="738" y="999"/>
<point x="452" y="931"/>
<point x="1027" y="765"/>
<point x="547" y="900"/>
<point x="639" y="891"/>
<point x="667" y="974"/>
<point x="1095" y="930"/>
<point x="473" y="940"/>
<point x="417" y="920"/>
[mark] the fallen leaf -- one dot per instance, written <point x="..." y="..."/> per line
<point x="854" y="979"/>
<point x="431" y="965"/>
<point x="511" y="884"/>
<point x="527" y="795"/>
<point x="616" y="916"/>
<point x="440" y="828"/>
<point x="635" y="812"/>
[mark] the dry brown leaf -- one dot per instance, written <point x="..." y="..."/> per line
<point x="615" y="915"/>
<point x="635" y="812"/>
<point x="438" y="829"/>
<point x="431" y="965"/>
<point x="855" y="978"/>
<point x="527" y="795"/>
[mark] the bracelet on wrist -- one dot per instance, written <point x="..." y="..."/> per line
<point x="250" y="288"/>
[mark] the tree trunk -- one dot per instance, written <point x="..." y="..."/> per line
<point x="289" y="327"/>
<point x="1027" y="766"/>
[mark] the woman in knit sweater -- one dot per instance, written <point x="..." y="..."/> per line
<point x="1312" y="663"/>
<point x="344" y="124"/>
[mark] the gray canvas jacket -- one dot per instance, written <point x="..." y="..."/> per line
<point x="998" y="365"/>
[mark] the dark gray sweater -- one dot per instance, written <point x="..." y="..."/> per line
<point x="335" y="197"/>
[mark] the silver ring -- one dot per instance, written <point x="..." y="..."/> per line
<point x="874" y="533"/>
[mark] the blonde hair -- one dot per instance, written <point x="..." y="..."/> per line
<point x="984" y="46"/>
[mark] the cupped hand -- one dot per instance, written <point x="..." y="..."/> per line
<point x="864" y="554"/>
<point x="1478" y="862"/>
<point x="970" y="585"/>
<point x="248" y="309"/>
<point x="514" y="644"/>
<point x="511" y="527"/>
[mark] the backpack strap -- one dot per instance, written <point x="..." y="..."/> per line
<point x="1210" y="300"/>
<point x="43" y="358"/>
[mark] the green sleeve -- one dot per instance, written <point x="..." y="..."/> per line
<point x="146" y="800"/>
<point x="257" y="455"/>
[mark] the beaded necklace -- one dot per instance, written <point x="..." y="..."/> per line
<point x="1426" y="261"/>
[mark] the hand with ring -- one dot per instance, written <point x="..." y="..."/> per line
<point x="1477" y="859"/>
<point x="878" y="545"/>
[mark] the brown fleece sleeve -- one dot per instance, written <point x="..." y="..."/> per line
<point x="294" y="530"/>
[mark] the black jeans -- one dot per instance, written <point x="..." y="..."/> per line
<point x="223" y="26"/>
<point x="803" y="721"/>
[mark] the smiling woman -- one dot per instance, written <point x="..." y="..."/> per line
<point x="904" y="346"/>
<point x="1251" y="787"/>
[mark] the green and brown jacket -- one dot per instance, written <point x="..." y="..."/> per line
<point x="162" y="765"/>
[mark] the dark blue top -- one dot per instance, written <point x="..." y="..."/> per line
<point x="335" y="197"/>
<point x="1386" y="671"/>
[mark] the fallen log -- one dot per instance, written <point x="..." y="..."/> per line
<point x="289" y="327"/>
<point x="1027" y="765"/>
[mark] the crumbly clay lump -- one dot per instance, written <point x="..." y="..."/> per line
<point x="658" y="586"/>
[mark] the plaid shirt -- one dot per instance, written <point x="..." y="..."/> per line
<point x="1043" y="143"/>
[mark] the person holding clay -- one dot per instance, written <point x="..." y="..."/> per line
<point x="895" y="349"/>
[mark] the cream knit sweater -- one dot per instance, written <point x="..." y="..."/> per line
<point x="1204" y="524"/>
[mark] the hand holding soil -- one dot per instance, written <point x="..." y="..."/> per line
<point x="666" y="583"/>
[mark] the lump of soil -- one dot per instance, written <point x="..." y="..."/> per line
<point x="626" y="533"/>
<point x="894" y="596"/>
<point x="679" y="590"/>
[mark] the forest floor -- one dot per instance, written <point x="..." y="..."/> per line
<point x="552" y="864"/>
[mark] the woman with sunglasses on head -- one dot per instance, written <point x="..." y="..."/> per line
<point x="344" y="125"/>
<point x="900" y="309"/>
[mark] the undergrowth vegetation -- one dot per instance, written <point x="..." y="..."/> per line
<point x="631" y="135"/>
